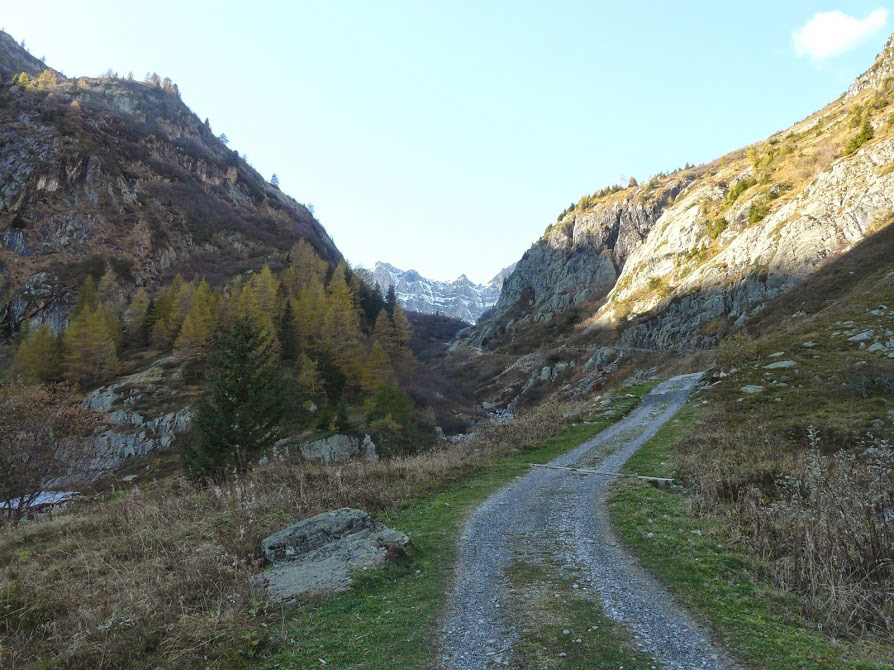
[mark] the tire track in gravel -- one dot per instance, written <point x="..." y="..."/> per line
<point x="529" y="514"/>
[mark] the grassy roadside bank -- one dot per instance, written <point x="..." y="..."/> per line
<point x="718" y="580"/>
<point x="390" y="619"/>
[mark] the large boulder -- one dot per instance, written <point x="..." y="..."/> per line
<point x="335" y="448"/>
<point x="320" y="554"/>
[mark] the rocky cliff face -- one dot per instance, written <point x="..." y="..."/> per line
<point x="459" y="299"/>
<point x="96" y="171"/>
<point x="679" y="261"/>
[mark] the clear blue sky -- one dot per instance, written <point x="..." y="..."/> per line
<point x="445" y="136"/>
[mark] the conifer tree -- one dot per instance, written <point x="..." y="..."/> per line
<point x="46" y="80"/>
<point x="39" y="356"/>
<point x="110" y="293"/>
<point x="182" y="293"/>
<point x="343" y="338"/>
<point x="371" y="300"/>
<point x="239" y="413"/>
<point x="266" y="287"/>
<point x="377" y="369"/>
<point x="159" y="321"/>
<point x="87" y="297"/>
<point x="135" y="317"/>
<point x="199" y="324"/>
<point x="91" y="346"/>
<point x="288" y="338"/>
<point x="390" y="402"/>
<point x="169" y="310"/>
<point x="307" y="264"/>
<point x="390" y="300"/>
<point x="341" y="421"/>
<point x="384" y="332"/>
<point x="310" y="312"/>
<point x="254" y="299"/>
<point x="309" y="380"/>
<point x="403" y="330"/>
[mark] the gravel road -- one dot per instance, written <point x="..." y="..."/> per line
<point x="564" y="515"/>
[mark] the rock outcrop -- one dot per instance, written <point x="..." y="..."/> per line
<point x="144" y="412"/>
<point x="319" y="555"/>
<point x="333" y="448"/>
<point x="875" y="76"/>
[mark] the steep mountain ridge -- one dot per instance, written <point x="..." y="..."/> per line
<point x="108" y="170"/>
<point x="459" y="299"/>
<point x="681" y="260"/>
<point x="15" y="59"/>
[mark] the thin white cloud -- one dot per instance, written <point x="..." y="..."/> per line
<point x="829" y="34"/>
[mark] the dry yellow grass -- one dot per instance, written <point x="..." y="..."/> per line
<point x="159" y="577"/>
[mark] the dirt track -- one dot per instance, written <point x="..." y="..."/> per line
<point x="561" y="516"/>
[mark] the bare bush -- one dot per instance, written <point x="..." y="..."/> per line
<point x="837" y="519"/>
<point x="736" y="351"/>
<point x="823" y="522"/>
<point x="43" y="430"/>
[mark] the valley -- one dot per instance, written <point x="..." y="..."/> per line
<point x="189" y="365"/>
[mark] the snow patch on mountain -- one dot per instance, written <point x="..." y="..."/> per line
<point x="461" y="298"/>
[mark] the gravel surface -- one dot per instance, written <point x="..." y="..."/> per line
<point x="525" y="518"/>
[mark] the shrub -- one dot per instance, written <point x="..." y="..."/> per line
<point x="736" y="351"/>
<point x="866" y="133"/>
<point x="838" y="530"/>
<point x="758" y="212"/>
<point x="739" y="188"/>
<point x="716" y="227"/>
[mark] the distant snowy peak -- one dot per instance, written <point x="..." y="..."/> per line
<point x="461" y="298"/>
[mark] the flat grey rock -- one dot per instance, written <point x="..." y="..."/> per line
<point x="779" y="365"/>
<point x="862" y="337"/>
<point x="752" y="388"/>
<point x="320" y="554"/>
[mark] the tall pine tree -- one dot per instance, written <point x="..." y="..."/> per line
<point x="390" y="300"/>
<point x="239" y="413"/>
<point x="39" y="356"/>
<point x="288" y="338"/>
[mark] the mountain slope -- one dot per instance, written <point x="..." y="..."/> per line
<point x="110" y="170"/>
<point x="682" y="259"/>
<point x="459" y="299"/>
<point x="15" y="59"/>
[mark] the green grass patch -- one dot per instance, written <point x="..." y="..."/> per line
<point x="391" y="619"/>
<point x="716" y="578"/>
